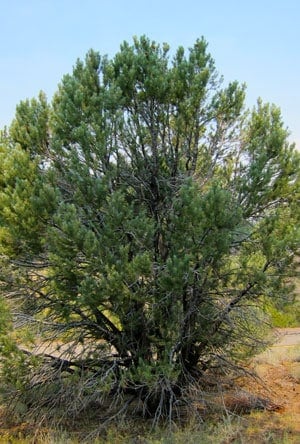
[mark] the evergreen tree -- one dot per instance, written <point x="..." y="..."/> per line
<point x="145" y="216"/>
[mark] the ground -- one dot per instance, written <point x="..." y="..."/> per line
<point x="279" y="370"/>
<point x="277" y="422"/>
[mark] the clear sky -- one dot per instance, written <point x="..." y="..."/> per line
<point x="252" y="41"/>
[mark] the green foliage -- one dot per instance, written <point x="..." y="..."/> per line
<point x="18" y="176"/>
<point x="30" y="128"/>
<point x="10" y="355"/>
<point x="145" y="210"/>
<point x="284" y="309"/>
<point x="285" y="318"/>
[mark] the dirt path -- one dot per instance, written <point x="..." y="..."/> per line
<point x="288" y="337"/>
<point x="279" y="369"/>
<point x="283" y="374"/>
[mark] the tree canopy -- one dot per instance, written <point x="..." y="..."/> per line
<point x="146" y="217"/>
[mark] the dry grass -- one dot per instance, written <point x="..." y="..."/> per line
<point x="266" y="410"/>
<point x="279" y="370"/>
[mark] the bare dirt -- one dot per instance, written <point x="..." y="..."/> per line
<point x="278" y="372"/>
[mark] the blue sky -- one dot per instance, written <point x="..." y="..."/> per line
<point x="254" y="41"/>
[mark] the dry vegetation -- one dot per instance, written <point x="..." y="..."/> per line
<point x="261" y="410"/>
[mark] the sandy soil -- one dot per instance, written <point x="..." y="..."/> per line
<point x="287" y="337"/>
<point x="279" y="370"/>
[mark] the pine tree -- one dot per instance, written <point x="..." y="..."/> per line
<point x="146" y="217"/>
